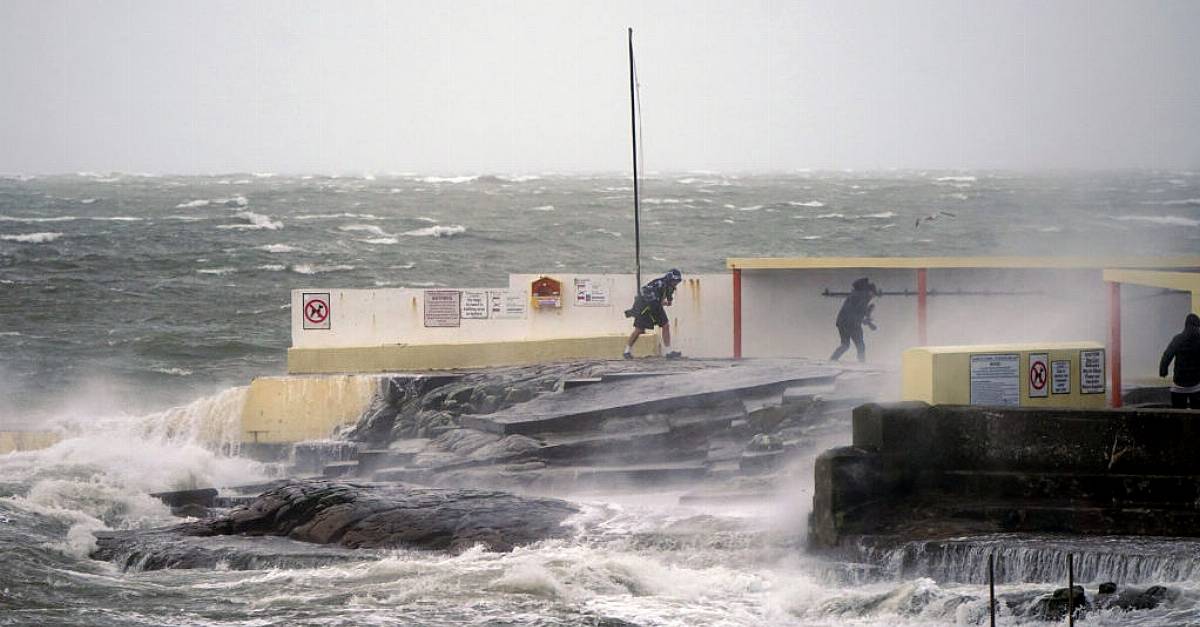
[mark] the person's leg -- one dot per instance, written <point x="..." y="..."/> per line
<point x="1178" y="400"/>
<point x="841" y="349"/>
<point x="666" y="334"/>
<point x="632" y="338"/>
<point x="856" y="334"/>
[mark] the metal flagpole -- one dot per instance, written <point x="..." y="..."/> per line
<point x="637" y="218"/>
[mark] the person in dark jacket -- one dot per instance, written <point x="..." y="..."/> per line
<point x="1184" y="349"/>
<point x="647" y="311"/>
<point x="855" y="312"/>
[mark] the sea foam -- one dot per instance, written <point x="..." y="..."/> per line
<point x="32" y="238"/>
<point x="438" y="231"/>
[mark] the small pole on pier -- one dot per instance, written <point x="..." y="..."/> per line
<point x="992" y="588"/>
<point x="1070" y="590"/>
<point x="637" y="219"/>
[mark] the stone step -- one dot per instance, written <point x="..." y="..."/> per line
<point x="341" y="469"/>
<point x="1100" y="489"/>
<point x="372" y="459"/>
<point x="639" y="475"/>
<point x="203" y="497"/>
<point x="586" y="407"/>
<point x="610" y="377"/>
<point x="571" y="384"/>
<point x="1072" y="518"/>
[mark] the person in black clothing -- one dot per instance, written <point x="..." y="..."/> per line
<point x="647" y="310"/>
<point x="855" y="312"/>
<point x="1184" y="349"/>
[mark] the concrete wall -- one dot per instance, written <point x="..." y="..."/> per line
<point x="19" y="441"/>
<point x="294" y="409"/>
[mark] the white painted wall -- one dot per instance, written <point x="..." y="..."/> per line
<point x="701" y="316"/>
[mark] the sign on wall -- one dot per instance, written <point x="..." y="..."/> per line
<point x="1060" y="377"/>
<point x="442" y="308"/>
<point x="593" y="292"/>
<point x="474" y="305"/>
<point x="996" y="379"/>
<point x="315" y="310"/>
<point x="507" y="304"/>
<point x="1091" y="371"/>
<point x="1038" y="378"/>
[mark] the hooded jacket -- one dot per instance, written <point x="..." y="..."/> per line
<point x="857" y="306"/>
<point x="1185" y="350"/>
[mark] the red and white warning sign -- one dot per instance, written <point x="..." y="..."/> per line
<point x="314" y="307"/>
<point x="1039" y="375"/>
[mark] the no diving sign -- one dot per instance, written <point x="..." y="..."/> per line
<point x="1039" y="375"/>
<point x="315" y="311"/>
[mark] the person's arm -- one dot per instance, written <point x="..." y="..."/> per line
<point x="1165" y="363"/>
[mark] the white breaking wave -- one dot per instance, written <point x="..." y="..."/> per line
<point x="381" y="240"/>
<point x="750" y="208"/>
<point x="192" y="204"/>
<point x="447" y="179"/>
<point x="811" y="203"/>
<point x="438" y="231"/>
<point x="542" y="208"/>
<point x="426" y="219"/>
<point x="367" y="228"/>
<point x="178" y="372"/>
<point x="256" y="221"/>
<point x="332" y="216"/>
<point x="1187" y="202"/>
<point x="278" y="248"/>
<point x="117" y="219"/>
<point x="55" y="219"/>
<point x="881" y="215"/>
<point x="956" y="179"/>
<point x="608" y="232"/>
<point x="273" y="267"/>
<point x="217" y="271"/>
<point x="305" y="268"/>
<point x="87" y="201"/>
<point x="831" y="216"/>
<point x="32" y="238"/>
<point x="1161" y="220"/>
<point x="811" y="237"/>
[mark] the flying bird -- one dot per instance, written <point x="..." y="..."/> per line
<point x="933" y="216"/>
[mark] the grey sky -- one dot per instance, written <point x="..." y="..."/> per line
<point x="451" y="87"/>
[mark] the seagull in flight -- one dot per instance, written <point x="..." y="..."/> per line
<point x="933" y="216"/>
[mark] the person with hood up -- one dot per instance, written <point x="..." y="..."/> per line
<point x="1184" y="349"/>
<point x="855" y="312"/>
<point x="647" y="310"/>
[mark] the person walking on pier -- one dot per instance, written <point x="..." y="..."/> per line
<point x="647" y="310"/>
<point x="855" y="312"/>
<point x="1184" y="349"/>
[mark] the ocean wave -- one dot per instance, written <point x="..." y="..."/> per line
<point x="273" y="267"/>
<point x="666" y="201"/>
<point x="958" y="196"/>
<point x="447" y="179"/>
<point x="278" y="248"/>
<point x="366" y="228"/>
<point x="1160" y="220"/>
<point x="437" y="231"/>
<point x="255" y="221"/>
<point x="832" y="216"/>
<point x="192" y="204"/>
<point x="811" y="237"/>
<point x="811" y="203"/>
<point x="178" y="372"/>
<point x="217" y="271"/>
<point x="333" y="216"/>
<point x="304" y="268"/>
<point x="116" y="219"/>
<point x="728" y="221"/>
<point x="1187" y="202"/>
<point x="750" y="208"/>
<point x="381" y="240"/>
<point x="881" y="215"/>
<point x="34" y="220"/>
<point x="426" y="219"/>
<point x="607" y="232"/>
<point x="956" y="179"/>
<point x="32" y="238"/>
<point x="542" y="208"/>
<point x="87" y="201"/>
<point x="404" y="266"/>
<point x="518" y="178"/>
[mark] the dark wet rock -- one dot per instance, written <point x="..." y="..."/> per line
<point x="1054" y="607"/>
<point x="357" y="515"/>
<point x="1107" y="587"/>
<point x="764" y="442"/>
<point x="1147" y="599"/>
<point x="517" y="395"/>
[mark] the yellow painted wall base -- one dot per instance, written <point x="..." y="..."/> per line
<point x="18" y="441"/>
<point x="409" y="357"/>
<point x="295" y="409"/>
<point x="943" y="375"/>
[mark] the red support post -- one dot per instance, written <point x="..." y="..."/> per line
<point x="1114" y="341"/>
<point x="922" y="336"/>
<point x="737" y="313"/>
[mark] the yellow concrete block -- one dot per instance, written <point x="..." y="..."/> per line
<point x="294" y="409"/>
<point x="410" y="357"/>
<point x="1007" y="374"/>
<point x="20" y="441"/>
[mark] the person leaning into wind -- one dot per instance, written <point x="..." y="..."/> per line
<point x="647" y="311"/>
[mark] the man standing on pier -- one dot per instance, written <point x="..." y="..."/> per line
<point x="647" y="310"/>
<point x="855" y="312"/>
<point x="1184" y="349"/>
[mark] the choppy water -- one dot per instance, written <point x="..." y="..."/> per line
<point x="122" y="295"/>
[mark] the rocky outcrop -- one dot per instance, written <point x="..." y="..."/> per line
<point x="364" y="515"/>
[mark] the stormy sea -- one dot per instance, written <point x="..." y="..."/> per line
<point x="134" y="310"/>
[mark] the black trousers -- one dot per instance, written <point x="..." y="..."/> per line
<point x="850" y="333"/>
<point x="1185" y="401"/>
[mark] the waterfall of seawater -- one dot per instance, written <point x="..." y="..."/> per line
<point x="1040" y="559"/>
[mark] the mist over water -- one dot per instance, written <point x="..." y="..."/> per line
<point x="122" y="296"/>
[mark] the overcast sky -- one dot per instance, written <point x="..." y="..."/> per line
<point x="468" y="87"/>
